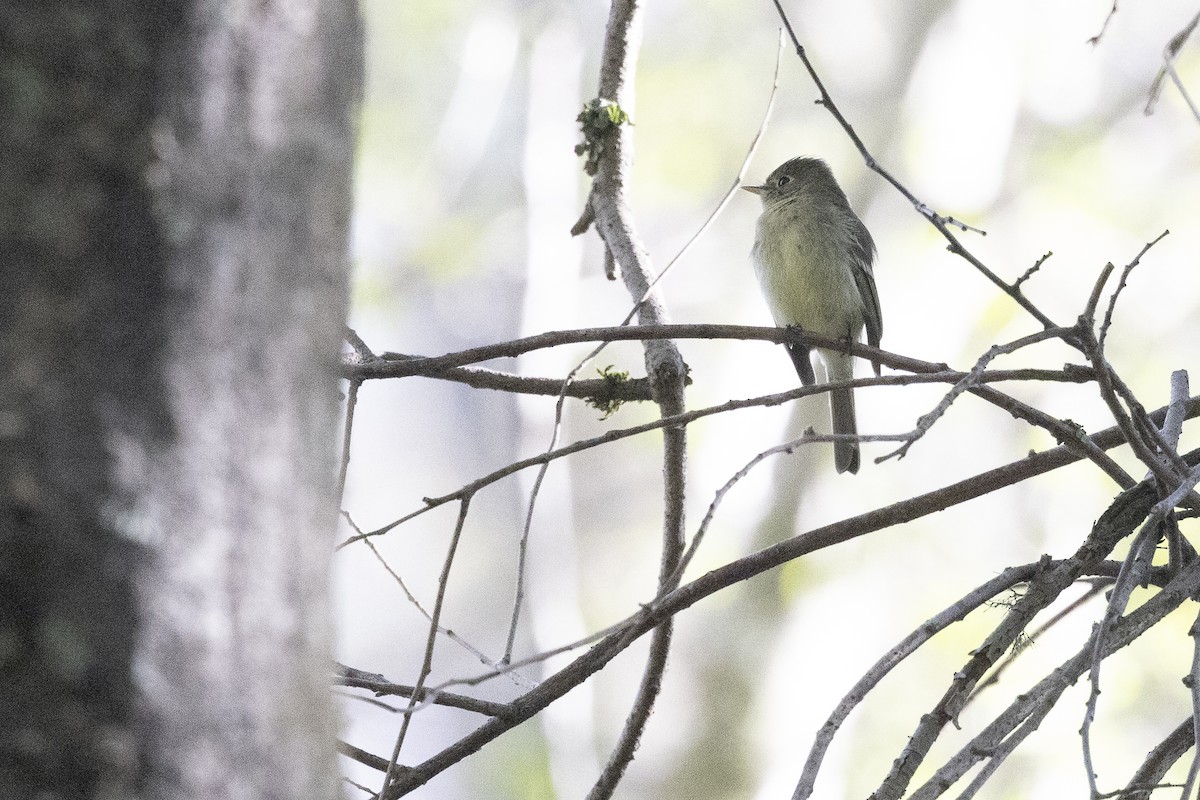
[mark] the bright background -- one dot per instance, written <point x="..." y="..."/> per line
<point x="1000" y="114"/>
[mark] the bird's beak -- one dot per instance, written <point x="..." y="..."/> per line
<point x="754" y="189"/>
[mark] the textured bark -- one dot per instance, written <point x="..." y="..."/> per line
<point x="173" y="224"/>
<point x="81" y="286"/>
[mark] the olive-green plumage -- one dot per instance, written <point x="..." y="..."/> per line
<point x="813" y="258"/>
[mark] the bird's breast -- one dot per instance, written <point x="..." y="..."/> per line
<point x="806" y="276"/>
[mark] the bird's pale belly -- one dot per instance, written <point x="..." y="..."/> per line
<point x="816" y="293"/>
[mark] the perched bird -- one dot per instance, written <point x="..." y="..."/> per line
<point x="813" y="257"/>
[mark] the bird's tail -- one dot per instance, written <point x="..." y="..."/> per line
<point x="840" y="367"/>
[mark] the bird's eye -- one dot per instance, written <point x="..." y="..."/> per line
<point x="782" y="181"/>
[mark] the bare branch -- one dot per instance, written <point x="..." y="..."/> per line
<point x="926" y="422"/>
<point x="1116" y="523"/>
<point x="896" y="655"/>
<point x="942" y="224"/>
<point x="1047" y="691"/>
<point x="1112" y="12"/>
<point x="788" y="447"/>
<point x="1158" y="761"/>
<point x="363" y="757"/>
<point x="1126" y="508"/>
<point x="357" y="679"/>
<point x="362" y="354"/>
<point x="608" y="400"/>
<point x="1143" y="436"/>
<point x="1027" y="274"/>
<point x="1170" y="55"/>
<point x="1095" y="587"/>
<point x="449" y="634"/>
<point x="1193" y="683"/>
<point x="347" y="429"/>
<point x="608" y="201"/>
<point x="1172" y="427"/>
<point x="1127" y="579"/>
<point x="396" y="365"/>
<point x="1005" y="748"/>
<point x="1076" y="444"/>
<point x="427" y="665"/>
<point x="596" y="390"/>
<point x="1112" y="301"/>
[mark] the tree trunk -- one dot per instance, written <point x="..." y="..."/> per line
<point x="174" y="207"/>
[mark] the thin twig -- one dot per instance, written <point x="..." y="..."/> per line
<point x="1076" y="444"/>
<point x="1158" y="761"/>
<point x="896" y="655"/>
<point x="1027" y="274"/>
<point x="360" y="787"/>
<point x="1126" y="581"/>
<point x="1139" y="791"/>
<point x="1112" y="301"/>
<point x="1147" y="441"/>
<point x="1095" y="587"/>
<point x="570" y="379"/>
<point x="430" y="641"/>
<point x="1050" y="689"/>
<point x="677" y="600"/>
<point x="1193" y="683"/>
<point x="1143" y="437"/>
<point x="347" y="428"/>
<point x="1112" y="12"/>
<point x="1183" y="92"/>
<point x="362" y="757"/>
<point x="738" y="179"/>
<point x="1089" y="311"/>
<point x="1116" y="523"/>
<point x="362" y="354"/>
<point x="926" y="422"/>
<point x="1170" y="55"/>
<point x="523" y="543"/>
<point x="942" y="224"/>
<point x="519" y="679"/>
<point x="787" y="447"/>
<point x="432" y="695"/>
<point x="1164" y="452"/>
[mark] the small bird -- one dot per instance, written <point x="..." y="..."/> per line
<point x="813" y="258"/>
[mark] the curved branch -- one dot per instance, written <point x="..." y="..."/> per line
<point x="909" y="645"/>
<point x="942" y="224"/>
<point x="1159" y="760"/>
<point x="675" y="601"/>
<point x="1077" y="447"/>
<point x="1026" y="706"/>
<point x="1117" y="522"/>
